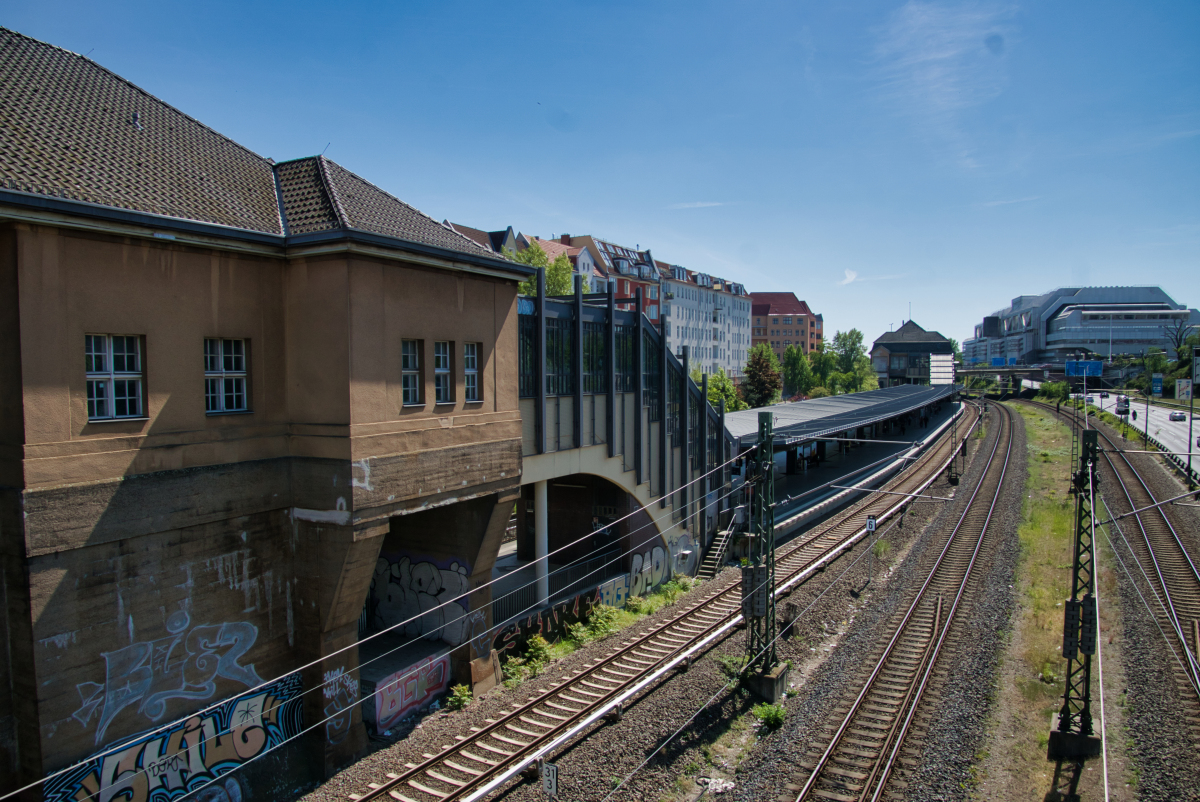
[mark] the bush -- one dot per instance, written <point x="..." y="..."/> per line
<point x="537" y="651"/>
<point x="731" y="666"/>
<point x="881" y="549"/>
<point x="460" y="697"/>
<point x="637" y="605"/>
<point x="770" y="716"/>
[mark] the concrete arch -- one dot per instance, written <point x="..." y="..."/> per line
<point x="681" y="550"/>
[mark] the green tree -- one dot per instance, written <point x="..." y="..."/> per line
<point x="720" y="386"/>
<point x="957" y="350"/>
<point x="762" y="382"/>
<point x="865" y="377"/>
<point x="818" y="392"/>
<point x="848" y="347"/>
<point x="797" y="373"/>
<point x="559" y="278"/>
<point x="822" y="363"/>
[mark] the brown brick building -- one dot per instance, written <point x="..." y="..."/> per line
<point x="238" y="400"/>
<point x="781" y="319"/>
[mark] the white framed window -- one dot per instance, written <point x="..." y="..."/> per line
<point x="225" y="387"/>
<point x="113" y="365"/>
<point x="443" y="379"/>
<point x="410" y="373"/>
<point x="471" y="372"/>
<point x="787" y="321"/>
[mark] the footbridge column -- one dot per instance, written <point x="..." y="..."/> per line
<point x="541" y="539"/>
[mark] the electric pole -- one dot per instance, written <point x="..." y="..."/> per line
<point x="762" y="670"/>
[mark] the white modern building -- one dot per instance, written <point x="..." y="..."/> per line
<point x="1077" y="320"/>
<point x="709" y="315"/>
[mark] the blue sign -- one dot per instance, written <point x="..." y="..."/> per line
<point x="1012" y="360"/>
<point x="1156" y="384"/>
<point x="1089" y="368"/>
<point x="997" y="361"/>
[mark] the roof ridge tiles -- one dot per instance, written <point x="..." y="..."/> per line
<point x="331" y="190"/>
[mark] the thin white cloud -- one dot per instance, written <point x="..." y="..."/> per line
<point x="934" y="61"/>
<point x="852" y="277"/>
<point x="695" y="205"/>
<point x="1014" y="200"/>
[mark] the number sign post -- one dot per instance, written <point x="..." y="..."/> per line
<point x="870" y="548"/>
<point x="550" y="780"/>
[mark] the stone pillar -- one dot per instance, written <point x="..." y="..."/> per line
<point x="541" y="539"/>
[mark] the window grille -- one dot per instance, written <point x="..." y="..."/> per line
<point x="593" y="358"/>
<point x="694" y="443"/>
<point x="625" y="359"/>
<point x="225" y="376"/>
<point x="113" y="366"/>
<point x="560" y="372"/>
<point x="410" y="372"/>
<point x="674" y="395"/>
<point x="651" y="376"/>
<point x="471" y="372"/>
<point x="443" y="379"/>
<point x="526" y="354"/>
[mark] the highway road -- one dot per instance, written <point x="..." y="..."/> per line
<point x="1172" y="434"/>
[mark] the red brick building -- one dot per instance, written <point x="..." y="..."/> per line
<point x="781" y="319"/>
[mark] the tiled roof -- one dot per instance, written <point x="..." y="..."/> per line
<point x="781" y="303"/>
<point x="553" y="248"/>
<point x="474" y="234"/>
<point x="71" y="129"/>
<point x="911" y="333"/>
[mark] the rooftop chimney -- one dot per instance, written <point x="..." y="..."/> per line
<point x="565" y="239"/>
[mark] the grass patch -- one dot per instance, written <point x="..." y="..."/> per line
<point x="603" y="621"/>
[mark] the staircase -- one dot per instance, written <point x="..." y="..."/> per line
<point x="715" y="558"/>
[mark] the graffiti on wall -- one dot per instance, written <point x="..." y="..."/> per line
<point x="551" y="624"/>
<point x="648" y="570"/>
<point x="615" y="591"/>
<point x="685" y="557"/>
<point x="182" y="665"/>
<point x="177" y="761"/>
<point x="404" y="692"/>
<point x="405" y="588"/>
<point x="340" y="690"/>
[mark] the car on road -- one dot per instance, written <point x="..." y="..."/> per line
<point x="1177" y="416"/>
<point x="1104" y="395"/>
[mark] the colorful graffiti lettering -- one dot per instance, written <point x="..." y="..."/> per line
<point x="615" y="591"/>
<point x="647" y="571"/>
<point x="401" y="693"/>
<point x="404" y="589"/>
<point x="551" y="624"/>
<point x="182" y="665"/>
<point x="341" y="692"/>
<point x="175" y="762"/>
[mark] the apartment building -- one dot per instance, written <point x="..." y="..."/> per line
<point x="709" y="315"/>
<point x="628" y="269"/>
<point x="781" y="319"/>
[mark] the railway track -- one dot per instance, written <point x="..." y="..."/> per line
<point x="483" y="759"/>
<point x="1166" y="565"/>
<point x="856" y="762"/>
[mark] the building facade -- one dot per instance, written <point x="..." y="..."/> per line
<point x="1073" y="321"/>
<point x="711" y="316"/>
<point x="781" y="319"/>
<point x="628" y="270"/>
<point x="242" y="405"/>
<point x="912" y="355"/>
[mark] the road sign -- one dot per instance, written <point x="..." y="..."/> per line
<point x="1084" y="368"/>
<point x="1183" y="389"/>
<point x="550" y="779"/>
<point x="997" y="361"/>
<point x="1156" y="385"/>
<point x="1196" y="364"/>
<point x="870" y="523"/>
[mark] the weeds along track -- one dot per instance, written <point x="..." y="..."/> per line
<point x="1166" y="566"/>
<point x="485" y="758"/>
<point x="856" y="761"/>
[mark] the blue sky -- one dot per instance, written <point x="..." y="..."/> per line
<point x="861" y="154"/>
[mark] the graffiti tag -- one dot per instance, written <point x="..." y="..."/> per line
<point x="182" y="665"/>
<point x="405" y="691"/>
<point x="175" y="762"/>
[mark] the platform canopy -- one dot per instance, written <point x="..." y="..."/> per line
<point x="802" y="421"/>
